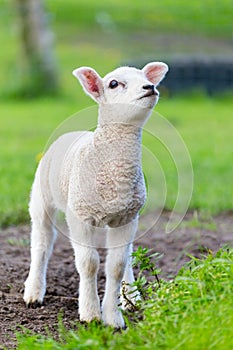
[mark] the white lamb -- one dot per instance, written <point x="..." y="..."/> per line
<point x="96" y="179"/>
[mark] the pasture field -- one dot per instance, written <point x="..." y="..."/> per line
<point x="194" y="309"/>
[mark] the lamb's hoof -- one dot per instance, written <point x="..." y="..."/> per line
<point x="87" y="321"/>
<point x="114" y="319"/>
<point x="119" y="329"/>
<point x="91" y="314"/>
<point x="34" y="304"/>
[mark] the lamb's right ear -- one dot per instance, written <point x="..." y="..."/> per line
<point x="90" y="81"/>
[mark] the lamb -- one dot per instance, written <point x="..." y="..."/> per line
<point x="96" y="179"/>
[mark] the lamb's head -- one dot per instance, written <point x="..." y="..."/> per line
<point x="127" y="94"/>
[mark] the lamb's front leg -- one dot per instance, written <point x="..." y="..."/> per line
<point x="119" y="248"/>
<point x="87" y="264"/>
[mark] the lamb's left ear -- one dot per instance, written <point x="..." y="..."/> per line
<point x="155" y="71"/>
<point x="90" y="81"/>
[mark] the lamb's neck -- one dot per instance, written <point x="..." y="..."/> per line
<point x="123" y="113"/>
<point x="120" y="138"/>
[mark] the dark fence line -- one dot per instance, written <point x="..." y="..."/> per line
<point x="212" y="74"/>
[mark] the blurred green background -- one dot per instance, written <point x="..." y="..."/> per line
<point x="104" y="35"/>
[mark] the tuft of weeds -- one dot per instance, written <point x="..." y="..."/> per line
<point x="147" y="280"/>
<point x="145" y="285"/>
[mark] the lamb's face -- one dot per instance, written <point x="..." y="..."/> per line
<point x="128" y="85"/>
<point x="127" y="94"/>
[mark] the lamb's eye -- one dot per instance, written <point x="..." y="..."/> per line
<point x="113" y="84"/>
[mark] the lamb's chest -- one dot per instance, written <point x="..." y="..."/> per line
<point x="110" y="189"/>
<point x="107" y="180"/>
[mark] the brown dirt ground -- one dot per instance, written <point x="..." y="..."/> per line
<point x="62" y="280"/>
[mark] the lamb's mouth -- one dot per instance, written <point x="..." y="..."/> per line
<point x="149" y="93"/>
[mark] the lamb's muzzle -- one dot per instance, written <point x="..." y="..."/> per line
<point x="96" y="179"/>
<point x="151" y="91"/>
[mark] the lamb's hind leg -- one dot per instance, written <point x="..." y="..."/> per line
<point x="42" y="239"/>
<point x="119" y="242"/>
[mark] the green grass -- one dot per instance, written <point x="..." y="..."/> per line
<point x="194" y="311"/>
<point x="205" y="125"/>
<point x="164" y="16"/>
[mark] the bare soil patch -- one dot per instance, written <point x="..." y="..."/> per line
<point x="62" y="280"/>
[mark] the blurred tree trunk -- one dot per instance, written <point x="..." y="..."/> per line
<point x="37" y="43"/>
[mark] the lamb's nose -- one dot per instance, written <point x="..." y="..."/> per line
<point x="149" y="87"/>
